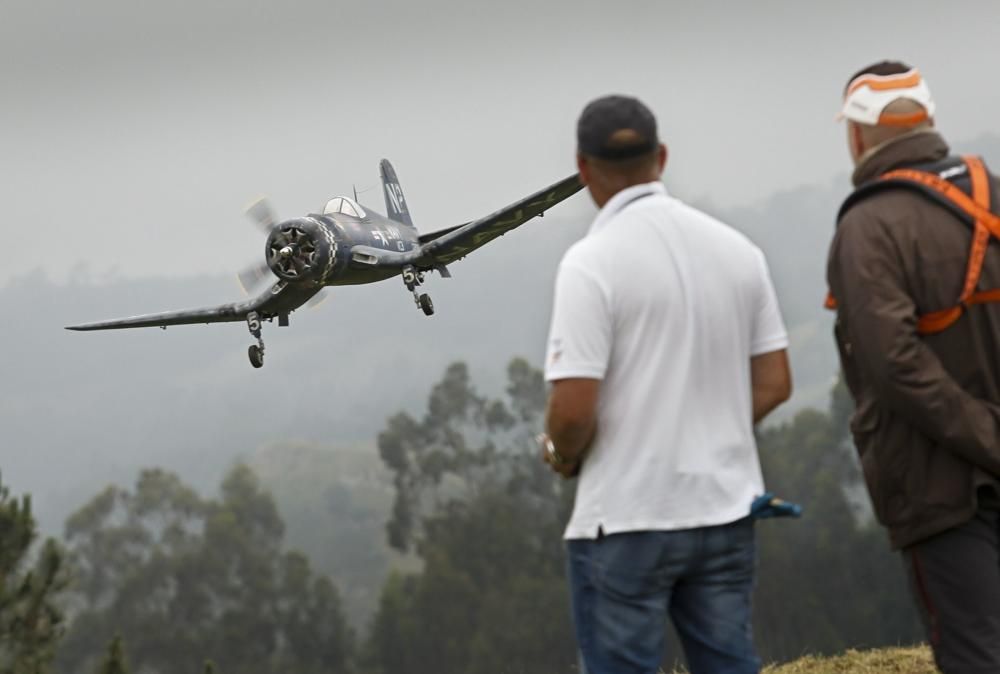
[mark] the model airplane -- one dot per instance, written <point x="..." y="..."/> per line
<point x="348" y="244"/>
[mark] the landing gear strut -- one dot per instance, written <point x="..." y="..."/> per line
<point x="256" y="351"/>
<point x="413" y="279"/>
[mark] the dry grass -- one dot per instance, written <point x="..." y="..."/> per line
<point x="914" y="660"/>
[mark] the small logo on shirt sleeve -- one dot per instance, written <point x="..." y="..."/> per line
<point x="556" y="351"/>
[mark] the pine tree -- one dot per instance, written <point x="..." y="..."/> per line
<point x="30" y="623"/>
<point x="114" y="659"/>
<point x="184" y="578"/>
<point x="485" y="516"/>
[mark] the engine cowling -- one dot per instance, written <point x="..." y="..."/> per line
<point x="302" y="250"/>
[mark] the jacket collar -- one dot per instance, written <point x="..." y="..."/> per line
<point x="622" y="199"/>
<point x="918" y="147"/>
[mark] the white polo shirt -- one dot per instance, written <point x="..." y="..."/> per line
<point x="665" y="305"/>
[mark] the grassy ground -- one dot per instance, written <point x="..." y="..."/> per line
<point x="915" y="660"/>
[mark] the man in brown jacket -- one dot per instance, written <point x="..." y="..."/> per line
<point x="910" y="273"/>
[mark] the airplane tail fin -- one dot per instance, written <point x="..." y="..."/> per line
<point x="395" y="204"/>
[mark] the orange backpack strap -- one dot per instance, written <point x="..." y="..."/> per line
<point x="975" y="208"/>
<point x="985" y="225"/>
<point x="951" y="166"/>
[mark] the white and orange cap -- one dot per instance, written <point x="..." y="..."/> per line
<point x="868" y="96"/>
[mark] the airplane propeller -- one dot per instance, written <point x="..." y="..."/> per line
<point x="262" y="214"/>
<point x="318" y="299"/>
<point x="252" y="277"/>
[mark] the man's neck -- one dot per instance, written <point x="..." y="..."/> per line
<point x="867" y="154"/>
<point x="604" y="197"/>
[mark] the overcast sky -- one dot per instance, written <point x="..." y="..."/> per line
<point x="133" y="133"/>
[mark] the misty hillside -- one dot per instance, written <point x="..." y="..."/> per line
<point x="78" y="411"/>
<point x="335" y="503"/>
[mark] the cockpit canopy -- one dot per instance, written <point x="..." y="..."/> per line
<point x="345" y="206"/>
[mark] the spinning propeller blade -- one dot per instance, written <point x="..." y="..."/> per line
<point x="264" y="217"/>
<point x="318" y="299"/>
<point x="251" y="277"/>
<point x="262" y="214"/>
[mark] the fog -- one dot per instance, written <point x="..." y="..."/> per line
<point x="134" y="133"/>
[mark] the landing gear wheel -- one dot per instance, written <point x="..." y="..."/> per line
<point x="413" y="279"/>
<point x="427" y="305"/>
<point x="256" y="356"/>
<point x="256" y="351"/>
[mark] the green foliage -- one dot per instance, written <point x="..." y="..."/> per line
<point x="114" y="659"/>
<point x="183" y="578"/>
<point x="492" y="591"/>
<point x="30" y="620"/>
<point x="335" y="502"/>
<point x="460" y="444"/>
<point x="827" y="582"/>
<point x="486" y="519"/>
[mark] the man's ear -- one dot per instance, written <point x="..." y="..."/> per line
<point x="664" y="153"/>
<point x="584" y="168"/>
<point x="857" y="140"/>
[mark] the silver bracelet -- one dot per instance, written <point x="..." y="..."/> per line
<point x="550" y="449"/>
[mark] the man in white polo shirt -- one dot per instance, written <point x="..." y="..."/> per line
<point x="666" y="347"/>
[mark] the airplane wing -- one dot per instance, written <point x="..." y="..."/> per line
<point x="447" y="246"/>
<point x="430" y="236"/>
<point x="281" y="298"/>
<point x="221" y="314"/>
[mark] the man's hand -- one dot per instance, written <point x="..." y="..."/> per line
<point x="568" y="469"/>
<point x="771" y="378"/>
<point x="571" y="421"/>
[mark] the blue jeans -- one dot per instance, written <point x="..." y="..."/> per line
<point x="625" y="585"/>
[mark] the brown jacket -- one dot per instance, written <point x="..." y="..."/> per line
<point x="927" y="424"/>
